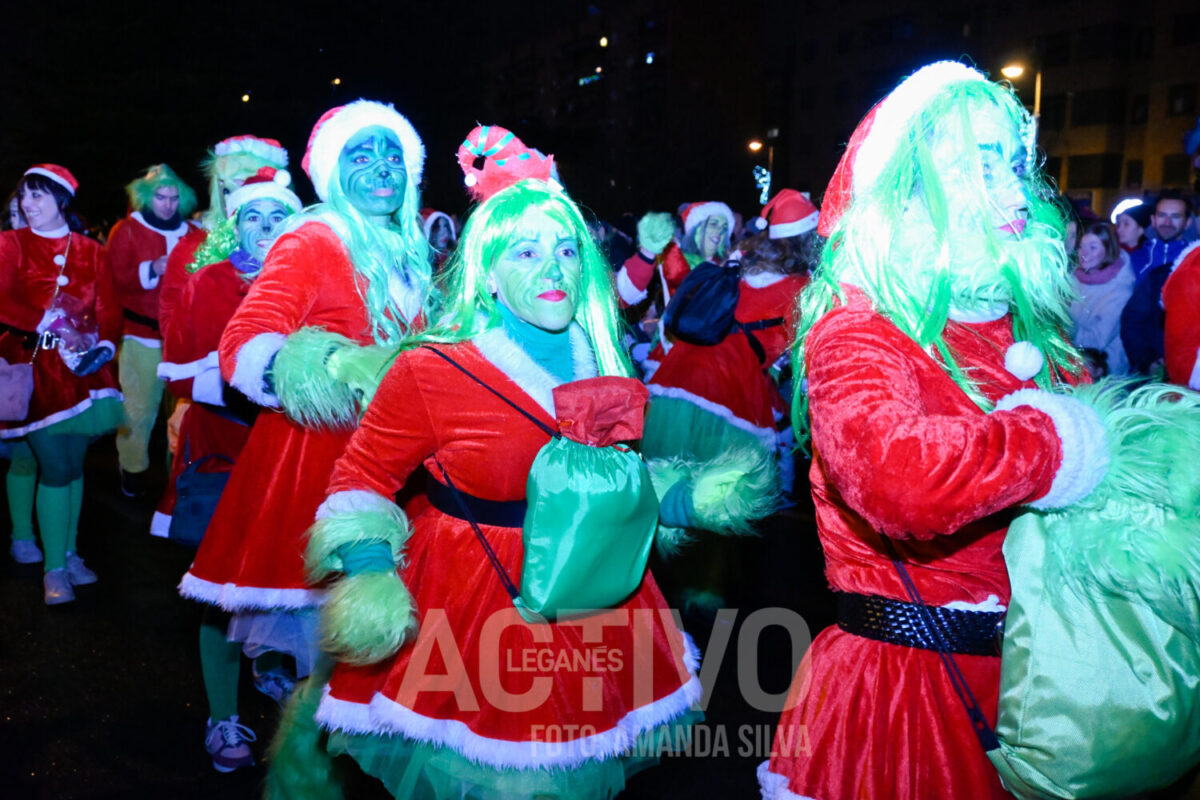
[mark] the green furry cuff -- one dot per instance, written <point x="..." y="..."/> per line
<point x="324" y="380"/>
<point x="729" y="493"/>
<point x="367" y="618"/>
<point x="665" y="473"/>
<point x="334" y="528"/>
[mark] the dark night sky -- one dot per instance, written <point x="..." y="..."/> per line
<point x="109" y="88"/>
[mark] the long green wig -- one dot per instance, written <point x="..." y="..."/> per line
<point x="141" y="190"/>
<point x="225" y="173"/>
<point x="379" y="252"/>
<point x="471" y="309"/>
<point x="922" y="240"/>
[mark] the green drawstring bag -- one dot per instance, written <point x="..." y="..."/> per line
<point x="1100" y="671"/>
<point x="592" y="509"/>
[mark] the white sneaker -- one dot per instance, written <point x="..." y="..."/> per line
<point x="227" y="742"/>
<point x="57" y="585"/>
<point x="26" y="551"/>
<point x="78" y="572"/>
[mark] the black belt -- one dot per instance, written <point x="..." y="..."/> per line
<point x="149" y="322"/>
<point x="970" y="633"/>
<point x="503" y="513"/>
<point x="29" y="339"/>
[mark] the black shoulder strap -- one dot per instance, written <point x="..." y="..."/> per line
<point x="549" y="431"/>
<point x="749" y="328"/>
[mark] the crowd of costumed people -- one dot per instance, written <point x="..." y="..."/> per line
<point x="409" y="452"/>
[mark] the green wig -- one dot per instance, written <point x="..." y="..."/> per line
<point x="470" y="307"/>
<point x="141" y="190"/>
<point x="225" y="173"/>
<point x="921" y="240"/>
<point x="380" y="252"/>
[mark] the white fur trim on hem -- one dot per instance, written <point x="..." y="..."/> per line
<point x="250" y="367"/>
<point x="231" y="597"/>
<point x="353" y="500"/>
<point x="775" y="786"/>
<point x="511" y="359"/>
<point x="1194" y="379"/>
<point x="631" y="294"/>
<point x="1084" y="444"/>
<point x="160" y="525"/>
<point x="384" y="716"/>
<point x="764" y="435"/>
<point x="170" y="371"/>
<point x="991" y="604"/>
<point x="66" y="413"/>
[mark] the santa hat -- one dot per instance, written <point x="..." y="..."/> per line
<point x="268" y="182"/>
<point x="430" y="216"/>
<point x="696" y="213"/>
<point x="493" y="158"/>
<point x="60" y="175"/>
<point x="1137" y="210"/>
<point x="268" y="150"/>
<point x="790" y="213"/>
<point x="875" y="139"/>
<point x="337" y="125"/>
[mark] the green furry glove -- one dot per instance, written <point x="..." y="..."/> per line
<point x="361" y="368"/>
<point x="367" y="617"/>
<point x="324" y="379"/>
<point x="655" y="230"/>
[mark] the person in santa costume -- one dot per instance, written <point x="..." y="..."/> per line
<point x="706" y="399"/>
<point x="706" y="236"/>
<point x="58" y="311"/>
<point x="530" y="315"/>
<point x="138" y="247"/>
<point x="348" y="275"/>
<point x="440" y="233"/>
<point x="931" y="339"/>
<point x="1181" y="301"/>
<point x="216" y="425"/>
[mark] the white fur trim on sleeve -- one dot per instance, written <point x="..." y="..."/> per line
<point x="112" y="348"/>
<point x="146" y="275"/>
<point x="625" y="288"/>
<point x="208" y="387"/>
<point x="250" y="367"/>
<point x="170" y="371"/>
<point x="353" y="500"/>
<point x="1194" y="380"/>
<point x="1084" y="444"/>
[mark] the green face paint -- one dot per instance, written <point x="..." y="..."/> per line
<point x="259" y="224"/>
<point x="538" y="275"/>
<point x="710" y="236"/>
<point x="371" y="172"/>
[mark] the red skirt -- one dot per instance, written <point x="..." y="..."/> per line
<point x="867" y="719"/>
<point x="252" y="556"/>
<point x="506" y="693"/>
<point x="58" y="393"/>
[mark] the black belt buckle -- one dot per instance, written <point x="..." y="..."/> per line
<point x="48" y="340"/>
<point x="1000" y="635"/>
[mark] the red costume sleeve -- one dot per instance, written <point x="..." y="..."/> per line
<point x="123" y="259"/>
<point x="908" y="468"/>
<point x="12" y="310"/>
<point x="1181" y="299"/>
<point x="396" y="435"/>
<point x="675" y="267"/>
<point x="176" y="276"/>
<point x="108" y="310"/>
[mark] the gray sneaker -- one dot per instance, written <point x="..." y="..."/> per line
<point x="78" y="572"/>
<point x="57" y="584"/>
<point x="228" y="743"/>
<point x="26" y="551"/>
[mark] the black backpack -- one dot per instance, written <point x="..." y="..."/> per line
<point x="702" y="309"/>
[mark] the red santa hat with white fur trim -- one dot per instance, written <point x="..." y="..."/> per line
<point x="790" y="213"/>
<point x="60" y="175"/>
<point x="874" y="140"/>
<point x="696" y="213"/>
<point x="337" y="125"/>
<point x="268" y="182"/>
<point x="429" y="216"/>
<point x="269" y="150"/>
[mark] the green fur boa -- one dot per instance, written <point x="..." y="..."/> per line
<point x="324" y="380"/>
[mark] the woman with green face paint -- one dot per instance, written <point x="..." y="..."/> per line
<point x="216" y="424"/>
<point x="529" y="308"/>
<point x="339" y="287"/>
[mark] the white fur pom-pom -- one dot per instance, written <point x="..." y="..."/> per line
<point x="469" y="180"/>
<point x="1023" y="360"/>
<point x="283" y="177"/>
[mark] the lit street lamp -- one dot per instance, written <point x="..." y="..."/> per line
<point x="1014" y="71"/>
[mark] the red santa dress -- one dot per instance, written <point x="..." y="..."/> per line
<point x="468" y="693"/>
<point x="252" y="556"/>
<point x="899" y="450"/>
<point x="177" y="276"/>
<point x="1181" y="300"/>
<point x="29" y="279"/>
<point x="190" y="362"/>
<point x="727" y="381"/>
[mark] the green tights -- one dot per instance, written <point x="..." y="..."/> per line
<point x="59" y="491"/>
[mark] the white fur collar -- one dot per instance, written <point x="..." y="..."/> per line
<point x="761" y="280"/>
<point x="988" y="314"/>
<point x="57" y="233"/>
<point x="511" y="359"/>
<point x="177" y="233"/>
